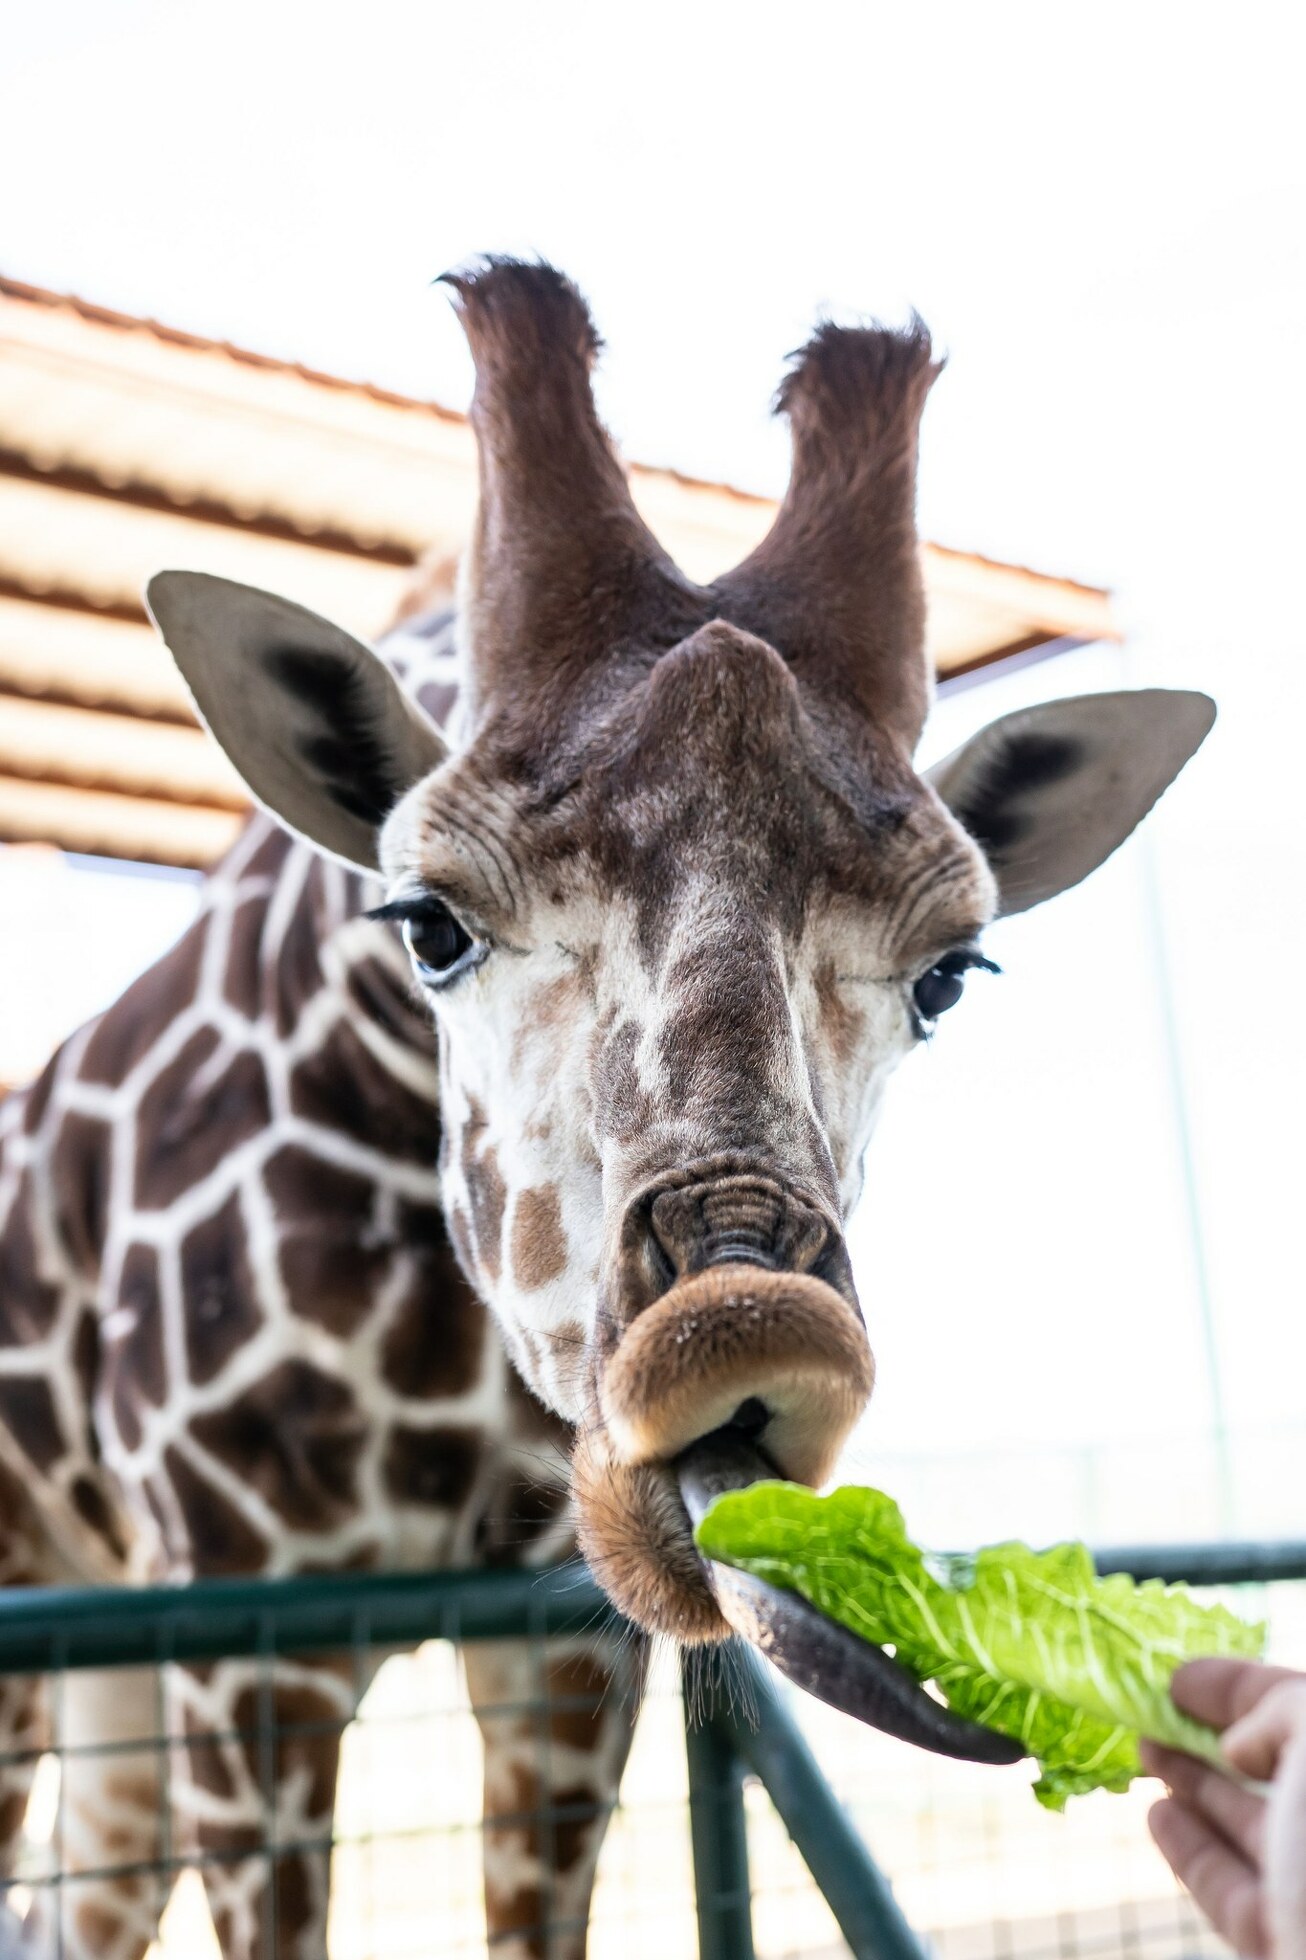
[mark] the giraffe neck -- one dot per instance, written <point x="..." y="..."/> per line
<point x="233" y="1335"/>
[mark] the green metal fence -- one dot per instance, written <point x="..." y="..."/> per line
<point x="748" y="1737"/>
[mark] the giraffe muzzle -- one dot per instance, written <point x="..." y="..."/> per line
<point x="780" y="1354"/>
<point x="737" y="1220"/>
<point x="731" y="1309"/>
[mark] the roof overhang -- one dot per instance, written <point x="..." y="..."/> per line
<point x="126" y="446"/>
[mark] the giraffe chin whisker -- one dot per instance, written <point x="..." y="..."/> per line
<point x="780" y="1356"/>
<point x="635" y="1534"/>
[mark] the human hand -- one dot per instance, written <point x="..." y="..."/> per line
<point x="1241" y="1855"/>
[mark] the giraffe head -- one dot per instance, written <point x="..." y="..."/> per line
<point x="678" y="899"/>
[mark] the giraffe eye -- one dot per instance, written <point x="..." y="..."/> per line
<point x="439" y="945"/>
<point x="943" y="986"/>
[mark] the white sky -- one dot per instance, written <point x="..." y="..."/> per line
<point x="1099" y="211"/>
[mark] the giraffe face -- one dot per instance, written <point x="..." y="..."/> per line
<point x="680" y="904"/>
<point x="671" y="974"/>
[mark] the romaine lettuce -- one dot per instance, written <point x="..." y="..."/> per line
<point x="1034" y="1644"/>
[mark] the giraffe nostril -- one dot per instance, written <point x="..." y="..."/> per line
<point x="740" y="1251"/>
<point x="734" y="1221"/>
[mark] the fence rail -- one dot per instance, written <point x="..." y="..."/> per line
<point x="48" y="1631"/>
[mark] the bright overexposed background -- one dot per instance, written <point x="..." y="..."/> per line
<point x="1080" y="1249"/>
<point x="1081" y="1226"/>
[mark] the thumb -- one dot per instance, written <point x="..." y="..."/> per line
<point x="1256" y="1741"/>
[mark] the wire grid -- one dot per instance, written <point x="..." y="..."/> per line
<point x="980" y="1870"/>
<point x="406" y="1840"/>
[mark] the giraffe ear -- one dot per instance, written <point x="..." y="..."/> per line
<point x="315" y="723"/>
<point x="1049" y="792"/>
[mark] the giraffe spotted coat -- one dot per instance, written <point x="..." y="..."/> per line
<point x="678" y="902"/>
<point x="235" y="1339"/>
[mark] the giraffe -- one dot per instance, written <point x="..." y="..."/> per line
<point x="490" y="1136"/>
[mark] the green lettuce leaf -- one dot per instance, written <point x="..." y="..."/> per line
<point x="1034" y="1644"/>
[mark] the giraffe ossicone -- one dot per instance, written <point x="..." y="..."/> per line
<point x="658" y="903"/>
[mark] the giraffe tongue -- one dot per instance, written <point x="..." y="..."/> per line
<point x="814" y="1652"/>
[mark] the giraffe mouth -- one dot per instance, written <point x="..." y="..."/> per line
<point x="815" y="1653"/>
<point x="637" y="1532"/>
<point x="778" y="1358"/>
<point x="736" y="1335"/>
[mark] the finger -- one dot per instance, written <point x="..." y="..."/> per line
<point x="1255" y="1743"/>
<point x="1159" y="1760"/>
<point x="1237" y="1814"/>
<point x="1220" y="1880"/>
<point x="1219" y="1692"/>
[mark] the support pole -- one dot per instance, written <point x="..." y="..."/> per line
<point x="856" y="1890"/>
<point x="720" y="1840"/>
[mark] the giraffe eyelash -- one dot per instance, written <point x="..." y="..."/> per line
<point x="949" y="967"/>
<point x="441" y="946"/>
<point x="417" y="905"/>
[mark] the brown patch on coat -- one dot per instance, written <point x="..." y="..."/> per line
<point x="133" y="1363"/>
<point x="435" y="1467"/>
<point x="219" y="1539"/>
<point x="221" y="1307"/>
<point x="190" y="1119"/>
<point x="36" y="1096"/>
<point x="435" y="1342"/>
<point x="296" y="975"/>
<point x="558" y="1834"/>
<point x="29" y="1304"/>
<point x="242" y="983"/>
<point x="342" y="1087"/>
<point x="295" y="1437"/>
<point x="538" y="1244"/>
<point x="79" y="1169"/>
<point x="84" y="1351"/>
<point x="331" y="1255"/>
<point x="623" y="1106"/>
<point x="93" y="1507"/>
<point x="28" y="1412"/>
<point x="522" y="1509"/>
<point x="387" y="1001"/>
<point x="576" y="1687"/>
<point x="308" y="1191"/>
<point x="550" y="1013"/>
<point x="206" y="1754"/>
<point x="275" y="845"/>
<point x="288" y="1901"/>
<point x="305" y="1740"/>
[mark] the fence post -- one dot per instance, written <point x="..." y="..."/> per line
<point x="855" y="1889"/>
<point x="719" y="1835"/>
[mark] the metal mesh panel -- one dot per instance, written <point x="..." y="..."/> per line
<point x="976" y="1867"/>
